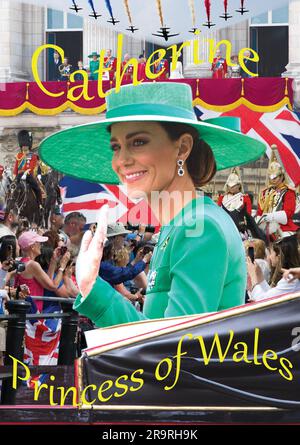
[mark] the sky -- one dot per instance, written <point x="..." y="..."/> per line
<point x="177" y="14"/>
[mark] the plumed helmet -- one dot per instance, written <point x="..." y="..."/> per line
<point x="274" y="170"/>
<point x="233" y="179"/>
<point x="25" y="138"/>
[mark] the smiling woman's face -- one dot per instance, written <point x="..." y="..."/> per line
<point x="144" y="158"/>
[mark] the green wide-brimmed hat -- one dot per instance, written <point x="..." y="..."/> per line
<point x="93" y="54"/>
<point x="84" y="151"/>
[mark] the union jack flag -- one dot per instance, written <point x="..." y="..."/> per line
<point x="35" y="380"/>
<point x="87" y="198"/>
<point x="42" y="337"/>
<point x="281" y="127"/>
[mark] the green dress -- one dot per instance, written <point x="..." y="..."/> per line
<point x="188" y="274"/>
<point x="94" y="66"/>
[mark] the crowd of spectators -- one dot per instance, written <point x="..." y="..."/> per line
<point x="38" y="262"/>
<point x="271" y="269"/>
<point x="61" y="70"/>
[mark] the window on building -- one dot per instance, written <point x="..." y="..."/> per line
<point x="74" y="21"/>
<point x="60" y="20"/>
<point x="281" y="15"/>
<point x="55" y="19"/>
<point x="260" y="19"/>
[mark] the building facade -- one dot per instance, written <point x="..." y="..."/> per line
<point x="24" y="27"/>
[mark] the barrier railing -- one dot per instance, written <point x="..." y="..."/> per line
<point x="16" y="318"/>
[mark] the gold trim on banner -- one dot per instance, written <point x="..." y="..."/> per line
<point x="101" y="109"/>
<point x="243" y="101"/>
<point x="52" y="111"/>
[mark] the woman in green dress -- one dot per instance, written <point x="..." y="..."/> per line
<point x="94" y="65"/>
<point x="152" y="142"/>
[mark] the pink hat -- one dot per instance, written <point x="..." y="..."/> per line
<point x="1" y="168"/>
<point x="30" y="237"/>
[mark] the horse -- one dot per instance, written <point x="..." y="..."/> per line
<point x="53" y="196"/>
<point x="21" y="197"/>
<point x="246" y="224"/>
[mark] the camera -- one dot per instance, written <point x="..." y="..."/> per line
<point x="63" y="250"/>
<point x="132" y="227"/>
<point x="147" y="249"/>
<point x="16" y="265"/>
<point x="8" y="254"/>
<point x="150" y="229"/>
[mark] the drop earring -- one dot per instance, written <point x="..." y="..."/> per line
<point x="180" y="171"/>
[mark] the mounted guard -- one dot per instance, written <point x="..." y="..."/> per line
<point x="277" y="203"/>
<point x="27" y="164"/>
<point x="239" y="206"/>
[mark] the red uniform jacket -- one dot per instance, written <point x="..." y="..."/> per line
<point x="219" y="68"/>
<point x="142" y="71"/>
<point x="159" y="67"/>
<point x="128" y="73"/>
<point x="111" y="63"/>
<point x="25" y="163"/>
<point x="247" y="203"/>
<point x="288" y="204"/>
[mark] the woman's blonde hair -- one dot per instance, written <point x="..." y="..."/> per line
<point x="259" y="248"/>
<point x="121" y="257"/>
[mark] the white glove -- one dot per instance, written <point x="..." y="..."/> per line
<point x="23" y="177"/>
<point x="39" y="177"/>
<point x="280" y="217"/>
<point x="267" y="217"/>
